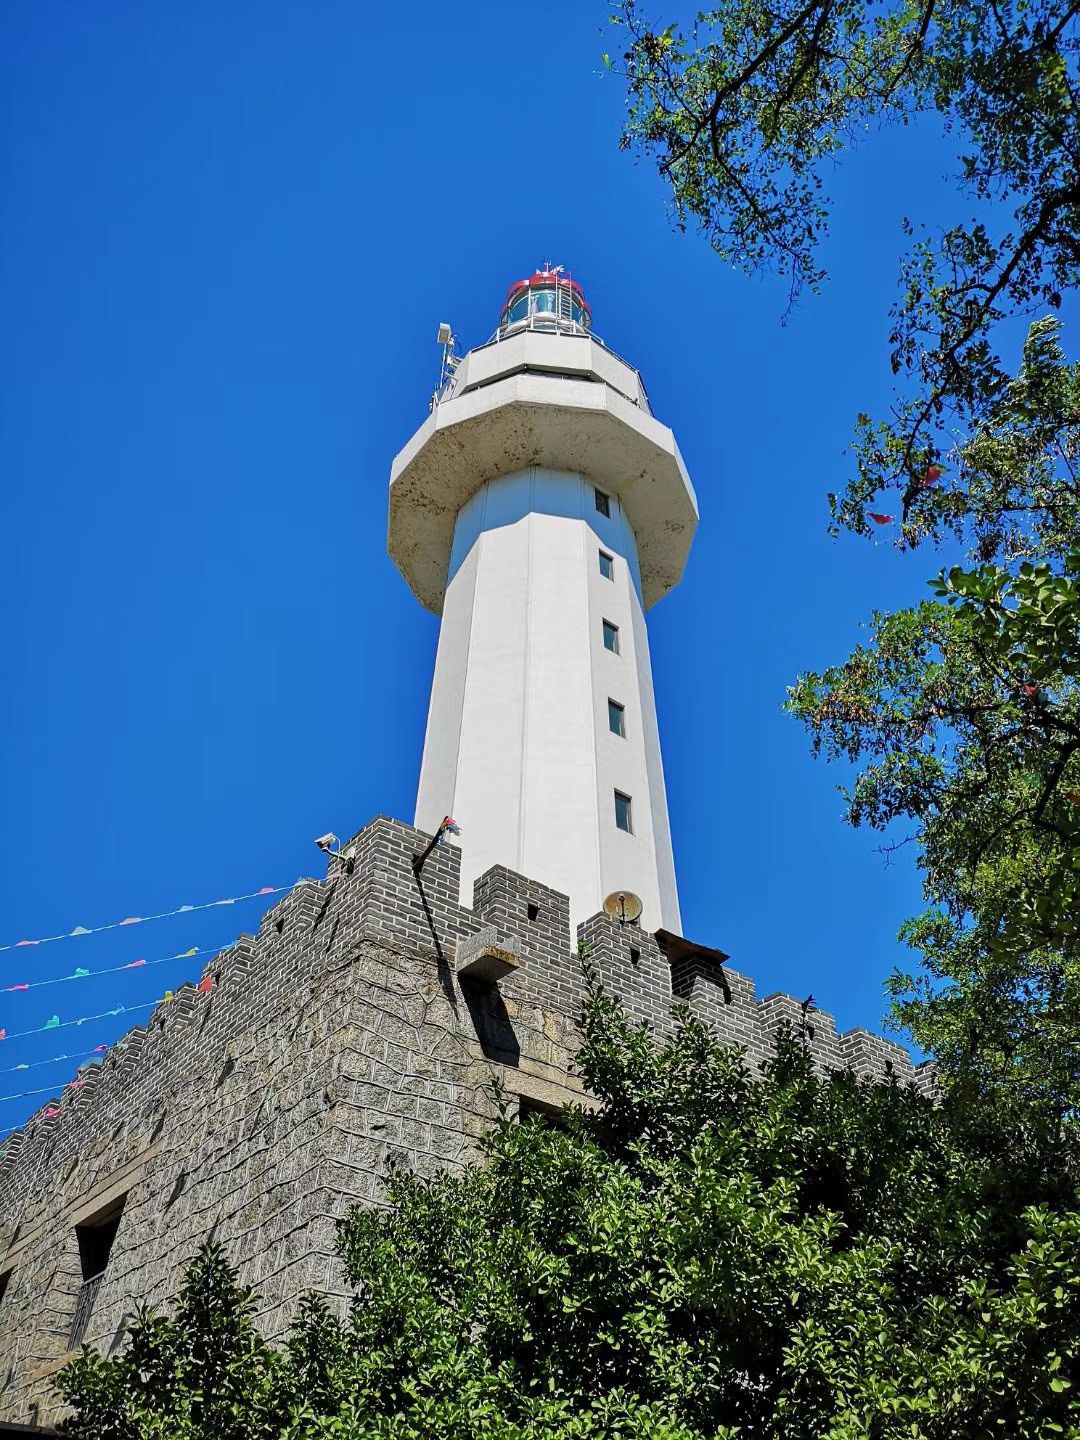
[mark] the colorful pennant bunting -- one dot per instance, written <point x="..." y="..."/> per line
<point x="82" y="974"/>
<point x="98" y="1051"/>
<point x="56" y="1023"/>
<point x="142" y="919"/>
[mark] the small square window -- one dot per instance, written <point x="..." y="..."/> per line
<point x="624" y="812"/>
<point x="607" y="565"/>
<point x="611" y="637"/>
<point x="616" y="718"/>
<point x="603" y="502"/>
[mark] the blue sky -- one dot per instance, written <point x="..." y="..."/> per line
<point x="228" y="235"/>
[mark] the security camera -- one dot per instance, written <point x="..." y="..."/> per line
<point x="324" y="842"/>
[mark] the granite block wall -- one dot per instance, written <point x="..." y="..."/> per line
<point x="338" y="1036"/>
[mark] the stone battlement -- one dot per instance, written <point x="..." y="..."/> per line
<point x="338" y="1037"/>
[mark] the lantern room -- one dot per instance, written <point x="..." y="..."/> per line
<point x="546" y="300"/>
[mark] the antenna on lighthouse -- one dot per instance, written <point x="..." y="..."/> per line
<point x="448" y="362"/>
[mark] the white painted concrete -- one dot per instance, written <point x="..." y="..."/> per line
<point x="518" y="745"/>
<point x="558" y="421"/>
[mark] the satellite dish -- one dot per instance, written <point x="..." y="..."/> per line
<point x="623" y="906"/>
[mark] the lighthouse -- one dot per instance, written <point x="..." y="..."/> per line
<point x="540" y="510"/>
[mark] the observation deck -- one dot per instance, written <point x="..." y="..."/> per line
<point x="542" y="391"/>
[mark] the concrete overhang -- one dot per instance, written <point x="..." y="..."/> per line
<point x="562" y="424"/>
<point x="558" y="354"/>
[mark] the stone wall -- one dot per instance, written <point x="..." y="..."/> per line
<point x="340" y="1035"/>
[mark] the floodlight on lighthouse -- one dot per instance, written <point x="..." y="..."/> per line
<point x="448" y="362"/>
<point x="345" y="858"/>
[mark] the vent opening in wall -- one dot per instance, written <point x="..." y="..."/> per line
<point x="5" y="1280"/>
<point x="532" y="910"/>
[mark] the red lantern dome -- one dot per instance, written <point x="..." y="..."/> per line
<point x="546" y="300"/>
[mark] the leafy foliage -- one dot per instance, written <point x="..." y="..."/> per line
<point x="960" y="716"/>
<point x="968" y="707"/>
<point x="742" y="112"/>
<point x="204" y="1372"/>
<point x="705" y="1254"/>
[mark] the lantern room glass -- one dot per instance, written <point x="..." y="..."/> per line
<point x="545" y="303"/>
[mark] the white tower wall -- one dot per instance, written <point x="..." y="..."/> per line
<point x="518" y="746"/>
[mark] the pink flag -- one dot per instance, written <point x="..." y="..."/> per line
<point x="16" y="987"/>
<point x="205" y="983"/>
<point x="133" y="965"/>
<point x="25" y="942"/>
<point x="51" y="1113"/>
<point x="880" y="519"/>
<point x="266" y="890"/>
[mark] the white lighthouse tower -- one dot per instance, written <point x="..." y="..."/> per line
<point x="541" y="509"/>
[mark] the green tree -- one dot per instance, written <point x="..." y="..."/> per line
<point x="704" y="1254"/>
<point x="959" y="716"/>
<point x="204" y="1371"/>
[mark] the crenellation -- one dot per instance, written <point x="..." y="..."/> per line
<point x="630" y="963"/>
<point x="335" y="1039"/>
<point x="872" y="1055"/>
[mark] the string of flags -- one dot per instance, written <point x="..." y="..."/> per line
<point x="206" y="983"/>
<point x="95" y="1055"/>
<point x="81" y="973"/>
<point x="51" y="1110"/>
<point x="92" y="1057"/>
<point x="143" y="919"/>
<point x="55" y="1023"/>
<point x="55" y="1059"/>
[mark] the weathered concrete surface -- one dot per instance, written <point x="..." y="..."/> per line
<point x="556" y="401"/>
